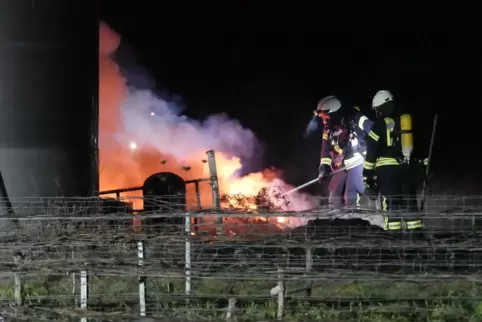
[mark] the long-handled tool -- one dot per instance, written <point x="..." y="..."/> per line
<point x="424" y="184"/>
<point x="309" y="183"/>
<point x="314" y="181"/>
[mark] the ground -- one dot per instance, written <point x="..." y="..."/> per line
<point x="339" y="301"/>
<point x="357" y="275"/>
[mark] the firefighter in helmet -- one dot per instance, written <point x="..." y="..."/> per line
<point x="384" y="169"/>
<point x="343" y="146"/>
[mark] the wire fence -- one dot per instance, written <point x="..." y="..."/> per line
<point x="76" y="260"/>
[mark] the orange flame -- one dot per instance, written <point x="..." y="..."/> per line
<point x="129" y="164"/>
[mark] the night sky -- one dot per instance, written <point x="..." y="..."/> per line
<point x="267" y="64"/>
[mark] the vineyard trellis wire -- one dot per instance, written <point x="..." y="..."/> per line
<point x="67" y="261"/>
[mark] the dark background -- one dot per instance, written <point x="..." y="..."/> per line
<point x="268" y="63"/>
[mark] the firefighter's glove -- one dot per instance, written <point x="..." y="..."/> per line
<point x="370" y="182"/>
<point x="421" y="170"/>
<point x="323" y="170"/>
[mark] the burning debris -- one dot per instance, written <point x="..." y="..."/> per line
<point x="267" y="200"/>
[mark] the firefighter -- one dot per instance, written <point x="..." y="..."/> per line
<point x="363" y="125"/>
<point x="342" y="147"/>
<point x="384" y="169"/>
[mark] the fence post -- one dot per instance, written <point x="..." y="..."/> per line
<point x="213" y="173"/>
<point x="231" y="307"/>
<point x="198" y="195"/>
<point x="83" y="292"/>
<point x="18" y="258"/>
<point x="142" y="279"/>
<point x="281" y="295"/>
<point x="309" y="265"/>
<point x="197" y="220"/>
<point x="187" y="288"/>
<point x="74" y="283"/>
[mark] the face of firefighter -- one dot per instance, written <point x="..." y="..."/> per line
<point x="384" y="110"/>
<point x="325" y="117"/>
<point x="336" y="118"/>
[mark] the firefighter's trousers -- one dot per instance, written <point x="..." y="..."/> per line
<point x="346" y="187"/>
<point x="391" y="180"/>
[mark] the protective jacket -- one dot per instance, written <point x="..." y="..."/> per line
<point x="384" y="144"/>
<point x="343" y="145"/>
<point x="361" y="122"/>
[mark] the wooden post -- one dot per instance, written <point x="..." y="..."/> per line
<point x="187" y="265"/>
<point x="427" y="168"/>
<point x="170" y="290"/>
<point x="74" y="288"/>
<point x="142" y="279"/>
<point x="74" y="283"/>
<point x="281" y="295"/>
<point x="309" y="265"/>
<point x="197" y="220"/>
<point x="198" y="195"/>
<point x="213" y="173"/>
<point x="84" y="291"/>
<point x="18" y="258"/>
<point x="231" y="307"/>
<point x="170" y="287"/>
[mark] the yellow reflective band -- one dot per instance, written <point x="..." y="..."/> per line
<point x="357" y="200"/>
<point x="354" y="161"/>
<point x="394" y="225"/>
<point x="373" y="136"/>
<point x="389" y="121"/>
<point x="356" y="108"/>
<point x="414" y="224"/>
<point x="385" y="206"/>
<point x="325" y="136"/>
<point x="326" y="161"/>
<point x="425" y="162"/>
<point x="337" y="149"/>
<point x="386" y="161"/>
<point x="361" y="121"/>
<point x="381" y="164"/>
<point x="368" y="165"/>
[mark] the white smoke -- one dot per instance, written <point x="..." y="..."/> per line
<point x="159" y="124"/>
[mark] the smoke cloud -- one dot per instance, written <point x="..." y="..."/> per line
<point x="159" y="125"/>
<point x="142" y="134"/>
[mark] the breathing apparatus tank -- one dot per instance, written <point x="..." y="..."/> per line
<point x="407" y="136"/>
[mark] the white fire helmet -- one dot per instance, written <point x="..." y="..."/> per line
<point x="381" y="97"/>
<point x="329" y="104"/>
